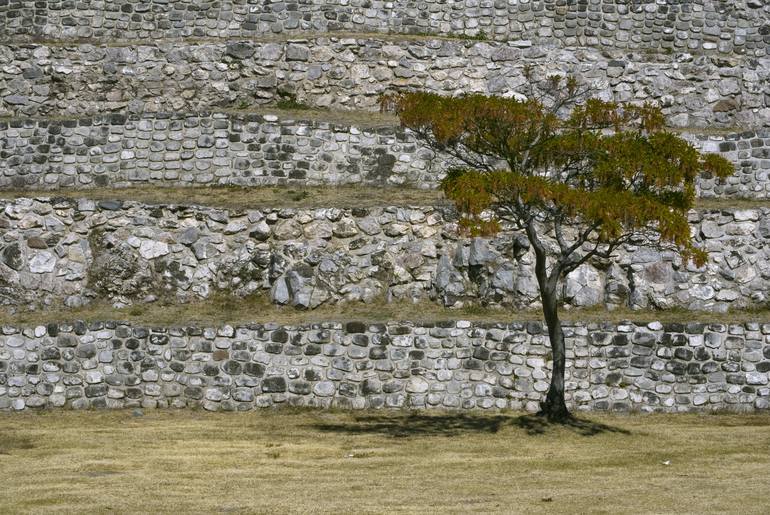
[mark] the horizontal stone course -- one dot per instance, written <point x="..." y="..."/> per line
<point x="750" y="153"/>
<point x="120" y="150"/>
<point x="351" y="73"/>
<point x="456" y="365"/>
<point x="738" y="27"/>
<point x="74" y="251"/>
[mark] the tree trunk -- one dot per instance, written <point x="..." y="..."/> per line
<point x="553" y="407"/>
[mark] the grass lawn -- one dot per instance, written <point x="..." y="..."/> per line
<point x="372" y="462"/>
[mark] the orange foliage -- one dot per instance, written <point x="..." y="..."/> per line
<point x="609" y="165"/>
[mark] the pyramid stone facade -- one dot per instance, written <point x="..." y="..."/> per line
<point x="176" y="94"/>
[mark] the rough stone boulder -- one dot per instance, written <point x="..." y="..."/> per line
<point x="117" y="269"/>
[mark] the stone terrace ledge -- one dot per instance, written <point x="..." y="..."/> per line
<point x="458" y="365"/>
<point x="272" y="147"/>
<point x="352" y="72"/>
<point x="727" y="28"/>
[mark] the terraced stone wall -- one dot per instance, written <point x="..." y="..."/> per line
<point x="116" y="93"/>
<point x="172" y="149"/>
<point x="460" y="364"/>
<point x="726" y="27"/>
<point x="74" y="251"/>
<point x="351" y="73"/>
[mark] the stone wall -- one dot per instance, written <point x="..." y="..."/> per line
<point x="118" y="150"/>
<point x="727" y="27"/>
<point x="86" y="88"/>
<point x="460" y="364"/>
<point x="351" y="73"/>
<point x="750" y="152"/>
<point x="73" y="251"/>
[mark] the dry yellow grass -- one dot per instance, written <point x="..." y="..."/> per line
<point x="381" y="462"/>
<point x="262" y="38"/>
<point x="356" y="117"/>
<point x="223" y="309"/>
<point x="349" y="196"/>
<point x="233" y="197"/>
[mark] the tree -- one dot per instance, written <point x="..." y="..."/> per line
<point x="578" y="175"/>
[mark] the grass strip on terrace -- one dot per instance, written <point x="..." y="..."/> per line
<point x="358" y="118"/>
<point x="303" y="36"/>
<point x="302" y="461"/>
<point x="342" y="117"/>
<point x="222" y="309"/>
<point x="349" y="196"/>
<point x="237" y="197"/>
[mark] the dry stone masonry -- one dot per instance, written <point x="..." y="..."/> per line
<point x="625" y="367"/>
<point x="351" y="73"/>
<point x="119" y="150"/>
<point x="113" y="93"/>
<point x="72" y="251"/>
<point x="749" y="151"/>
<point x="726" y="27"/>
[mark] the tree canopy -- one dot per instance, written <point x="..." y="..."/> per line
<point x="611" y="167"/>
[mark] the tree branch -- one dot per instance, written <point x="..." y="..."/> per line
<point x="600" y="249"/>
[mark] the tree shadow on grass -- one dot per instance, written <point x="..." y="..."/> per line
<point x="419" y="424"/>
<point x="535" y="425"/>
<point x="9" y="442"/>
